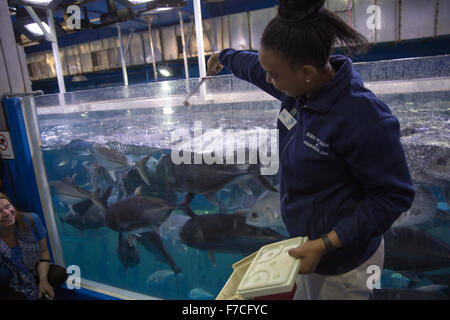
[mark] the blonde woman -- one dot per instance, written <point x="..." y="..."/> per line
<point x="26" y="271"/>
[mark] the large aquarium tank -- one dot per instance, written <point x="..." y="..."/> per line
<point x="156" y="198"/>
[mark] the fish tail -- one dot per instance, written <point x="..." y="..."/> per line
<point x="184" y="205"/>
<point x="176" y="269"/>
<point x="97" y="200"/>
<point x="263" y="180"/>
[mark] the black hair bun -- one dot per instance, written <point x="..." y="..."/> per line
<point x="299" y="10"/>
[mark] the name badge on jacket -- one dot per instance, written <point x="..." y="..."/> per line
<point x="287" y="119"/>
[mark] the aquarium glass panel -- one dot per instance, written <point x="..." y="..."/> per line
<point x="130" y="217"/>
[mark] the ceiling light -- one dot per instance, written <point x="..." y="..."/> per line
<point x="134" y="2"/>
<point x="165" y="72"/>
<point x="41" y="4"/>
<point x="36" y="30"/>
<point x="24" y="24"/>
<point x="163" y="5"/>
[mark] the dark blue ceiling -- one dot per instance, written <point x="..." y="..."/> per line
<point x="96" y="7"/>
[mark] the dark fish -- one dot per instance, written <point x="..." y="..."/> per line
<point x="128" y="254"/>
<point x="153" y="243"/>
<point x="75" y="147"/>
<point x="439" y="167"/>
<point x="443" y="279"/>
<point x="79" y="146"/>
<point x="422" y="209"/>
<point x="139" y="213"/>
<point x="157" y="188"/>
<point x="114" y="162"/>
<point x="110" y="159"/>
<point x="430" y="165"/>
<point x="409" y="250"/>
<point x="87" y="215"/>
<point x="98" y="176"/>
<point x="131" y="148"/>
<point x="207" y="179"/>
<point x="226" y="233"/>
<point x="70" y="193"/>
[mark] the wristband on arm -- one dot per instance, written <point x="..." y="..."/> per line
<point x="328" y="245"/>
<point x="45" y="260"/>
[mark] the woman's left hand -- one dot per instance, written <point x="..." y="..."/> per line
<point x="310" y="252"/>
<point x="44" y="286"/>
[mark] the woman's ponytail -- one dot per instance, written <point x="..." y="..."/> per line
<point x="305" y="33"/>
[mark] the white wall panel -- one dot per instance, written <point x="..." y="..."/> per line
<point x="85" y="57"/>
<point x="389" y="21"/>
<point x="136" y="50"/>
<point x="156" y="46"/>
<point x="443" y="26"/>
<point x="336" y="5"/>
<point x="259" y="19"/>
<point x="239" y="30"/>
<point x="226" y="32"/>
<point x="169" y="43"/>
<point x="365" y="22"/>
<point x="217" y="33"/>
<point x="417" y="19"/>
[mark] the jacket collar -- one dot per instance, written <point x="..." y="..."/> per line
<point x="325" y="98"/>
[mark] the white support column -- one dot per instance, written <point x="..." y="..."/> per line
<point x="55" y="49"/>
<point x="199" y="34"/>
<point x="149" y="20"/>
<point x="122" y="57"/>
<point x="183" y="42"/>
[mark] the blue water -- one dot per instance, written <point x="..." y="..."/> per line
<point x="95" y="251"/>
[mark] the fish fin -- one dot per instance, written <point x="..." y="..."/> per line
<point x="413" y="276"/>
<point x="263" y="180"/>
<point x="213" y="200"/>
<point x="212" y="257"/>
<point x="113" y="176"/>
<point x="246" y="188"/>
<point x="140" y="167"/>
<point x="120" y="194"/>
<point x="97" y="200"/>
<point x="138" y="191"/>
<point x="132" y="239"/>
<point x="432" y="288"/>
<point x="184" y="205"/>
<point x="74" y="164"/>
<point x="242" y="212"/>
<point x="243" y="167"/>
<point x="71" y="211"/>
<point x="177" y="270"/>
<point x="74" y="176"/>
<point x="104" y="197"/>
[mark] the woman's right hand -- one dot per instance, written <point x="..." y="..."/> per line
<point x="214" y="65"/>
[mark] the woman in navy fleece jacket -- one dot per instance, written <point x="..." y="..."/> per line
<point x="344" y="178"/>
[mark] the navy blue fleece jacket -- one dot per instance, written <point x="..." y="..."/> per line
<point x="342" y="166"/>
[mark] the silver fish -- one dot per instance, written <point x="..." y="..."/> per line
<point x="70" y="193"/>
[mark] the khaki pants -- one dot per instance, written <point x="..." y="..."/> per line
<point x="348" y="286"/>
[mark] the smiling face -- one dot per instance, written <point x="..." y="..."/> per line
<point x="291" y="81"/>
<point x="7" y="213"/>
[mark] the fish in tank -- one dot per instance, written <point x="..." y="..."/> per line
<point x="130" y="218"/>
